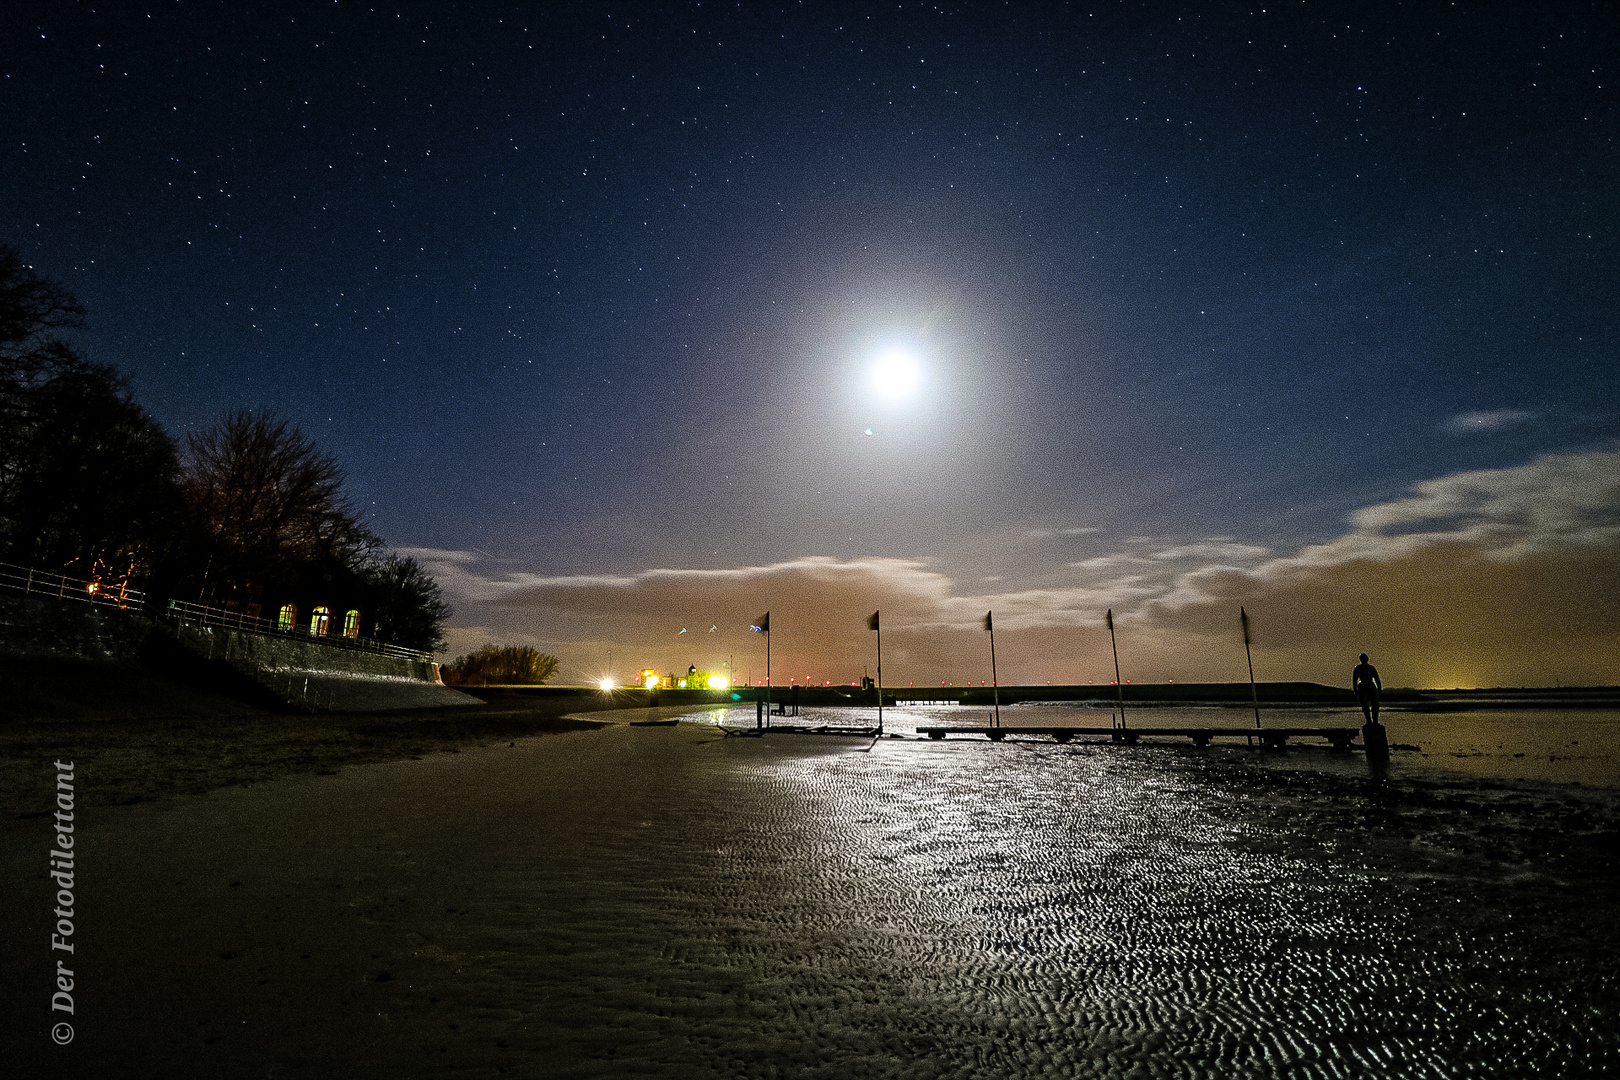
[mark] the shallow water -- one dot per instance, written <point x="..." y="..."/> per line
<point x="1554" y="745"/>
<point x="671" y="902"/>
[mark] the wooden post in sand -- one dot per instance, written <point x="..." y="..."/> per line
<point x="1376" y="742"/>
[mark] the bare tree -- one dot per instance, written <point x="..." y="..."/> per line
<point x="32" y="308"/>
<point x="86" y="476"/>
<point x="410" y="610"/>
<point x="96" y="480"/>
<point x="263" y="498"/>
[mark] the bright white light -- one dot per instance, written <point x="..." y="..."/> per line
<point x="896" y="374"/>
<point x="606" y="684"/>
<point x="718" y="682"/>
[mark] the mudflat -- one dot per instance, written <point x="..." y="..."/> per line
<point x="666" y="901"/>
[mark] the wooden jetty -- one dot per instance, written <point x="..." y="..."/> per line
<point x="1339" y="738"/>
<point x="865" y="732"/>
<point x="852" y="731"/>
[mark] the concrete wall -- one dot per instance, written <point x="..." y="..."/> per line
<point x="300" y="673"/>
<point x="311" y="676"/>
<point x="34" y="627"/>
<point x="276" y="653"/>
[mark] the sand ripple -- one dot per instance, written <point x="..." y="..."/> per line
<point x="979" y="911"/>
<point x="667" y="902"/>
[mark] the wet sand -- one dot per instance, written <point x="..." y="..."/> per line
<point x="186" y="752"/>
<point x="667" y="902"/>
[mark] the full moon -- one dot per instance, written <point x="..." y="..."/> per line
<point x="895" y="374"/>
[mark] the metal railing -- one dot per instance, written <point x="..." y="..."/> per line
<point x="182" y="611"/>
<point x="101" y="591"/>
<point x="106" y="592"/>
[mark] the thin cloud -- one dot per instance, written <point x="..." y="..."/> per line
<point x="1558" y="501"/>
<point x="1504" y="575"/>
<point x="1217" y="550"/>
<point x="1474" y="423"/>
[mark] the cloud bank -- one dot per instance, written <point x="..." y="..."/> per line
<point x="1491" y="577"/>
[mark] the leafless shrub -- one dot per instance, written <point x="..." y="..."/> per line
<point x="501" y="665"/>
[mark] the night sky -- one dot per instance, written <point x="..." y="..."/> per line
<point x="1306" y="307"/>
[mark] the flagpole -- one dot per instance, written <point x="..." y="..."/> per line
<point x="1119" y="684"/>
<point x="1243" y="616"/>
<point x="874" y="622"/>
<point x="879" y="629"/>
<point x="995" y="686"/>
<point x="763" y="626"/>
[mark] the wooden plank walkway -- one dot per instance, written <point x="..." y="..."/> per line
<point x="805" y="729"/>
<point x="1339" y="738"/>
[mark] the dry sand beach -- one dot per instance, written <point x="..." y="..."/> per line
<point x="665" y="901"/>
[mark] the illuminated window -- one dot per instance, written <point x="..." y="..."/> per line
<point x="288" y="617"/>
<point x="351" y="624"/>
<point x="318" y="620"/>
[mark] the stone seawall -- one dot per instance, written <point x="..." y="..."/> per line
<point x="304" y="674"/>
<point x="32" y="626"/>
<point x="264" y="652"/>
<point x="312" y="676"/>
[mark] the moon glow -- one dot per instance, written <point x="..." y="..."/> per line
<point x="895" y="374"/>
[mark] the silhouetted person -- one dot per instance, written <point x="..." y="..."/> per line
<point x="1365" y="682"/>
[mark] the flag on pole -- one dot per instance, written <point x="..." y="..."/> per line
<point x="987" y="623"/>
<point x="872" y="621"/>
<point x="762" y="625"/>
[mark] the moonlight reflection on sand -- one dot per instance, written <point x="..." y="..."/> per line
<point x="669" y="901"/>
